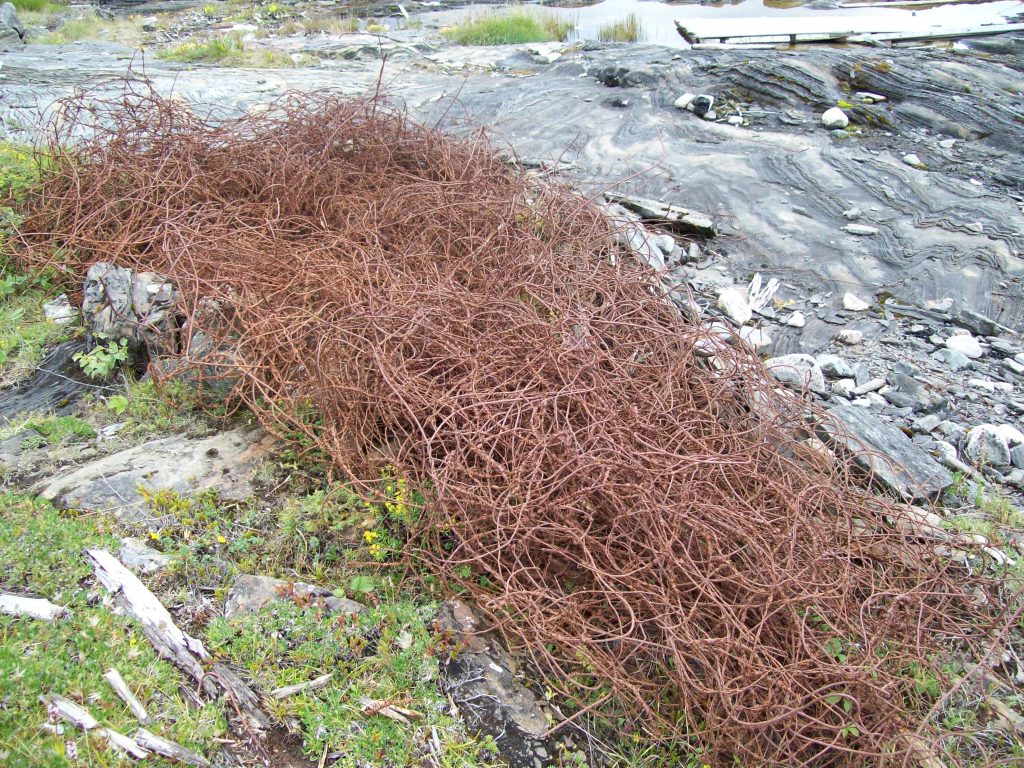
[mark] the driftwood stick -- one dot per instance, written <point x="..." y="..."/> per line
<point x="80" y="717"/>
<point x="186" y="652"/>
<point x="68" y="710"/>
<point x="122" y="743"/>
<point x="170" y="749"/>
<point x="309" y="685"/>
<point x="120" y="687"/>
<point x="34" y="607"/>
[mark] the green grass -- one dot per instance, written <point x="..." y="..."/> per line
<point x="509" y="27"/>
<point x="56" y="430"/>
<point x="387" y="653"/>
<point x="24" y="330"/>
<point x="42" y="554"/>
<point x="627" y="30"/>
<point x="225" y="50"/>
<point x="92" y="26"/>
<point x="37" y="6"/>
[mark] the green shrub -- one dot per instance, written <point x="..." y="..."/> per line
<point x="510" y="27"/>
<point x="627" y="30"/>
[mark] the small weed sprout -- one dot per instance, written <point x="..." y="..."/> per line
<point x="101" y="361"/>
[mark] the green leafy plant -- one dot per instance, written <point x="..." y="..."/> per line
<point x="103" y="359"/>
<point x="118" y="404"/>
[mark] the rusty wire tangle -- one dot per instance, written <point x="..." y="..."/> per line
<point x="646" y="526"/>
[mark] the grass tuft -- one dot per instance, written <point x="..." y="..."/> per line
<point x="627" y="30"/>
<point x="37" y="6"/>
<point x="92" y="26"/>
<point x="510" y="27"/>
<point x="225" y="50"/>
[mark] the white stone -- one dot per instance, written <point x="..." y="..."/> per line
<point x="755" y="337"/>
<point x="684" y="101"/>
<point x="913" y="161"/>
<point x="965" y="344"/>
<point x="1011" y="434"/>
<point x="861" y="230"/>
<point x="60" y="311"/>
<point x="733" y="302"/>
<point x="850" y="336"/>
<point x="835" y="118"/>
<point x="844" y="387"/>
<point x="796" y="320"/>
<point x="986" y="445"/>
<point x="1014" y="366"/>
<point x="854" y="303"/>
<point x="735" y="120"/>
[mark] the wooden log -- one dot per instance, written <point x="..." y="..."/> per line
<point x="34" y="607"/>
<point x="184" y="651"/>
<point x="938" y="33"/>
<point x="120" y="687"/>
<point x="309" y="685"/>
<point x="122" y="743"/>
<point x="825" y="29"/>
<point x="81" y="718"/>
<point x="174" y="751"/>
<point x="68" y="710"/>
<point x="673" y="216"/>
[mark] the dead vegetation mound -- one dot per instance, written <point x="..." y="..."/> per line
<point x="648" y="525"/>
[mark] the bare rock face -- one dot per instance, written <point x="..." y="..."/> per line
<point x="137" y="306"/>
<point x="483" y="682"/>
<point x="226" y="461"/>
<point x="249" y="594"/>
<point x="892" y="459"/>
<point x="12" y="32"/>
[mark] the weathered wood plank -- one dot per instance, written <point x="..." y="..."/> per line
<point x="121" y="688"/>
<point x="673" y="216"/>
<point x="81" y="718"/>
<point x="170" y="749"/>
<point x="309" y="685"/>
<point x="34" y="607"/>
<point x="184" y="651"/>
<point x="825" y="28"/>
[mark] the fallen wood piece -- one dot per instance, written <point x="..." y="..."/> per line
<point x="68" y="710"/>
<point x="244" y="699"/>
<point x="826" y="29"/>
<point x="80" y="717"/>
<point x="387" y="709"/>
<point x="120" y="687"/>
<point x="162" y="746"/>
<point x="122" y="743"/>
<point x="309" y="685"/>
<point x="184" y="651"/>
<point x="674" y="216"/>
<point x="34" y="607"/>
<point x="937" y="33"/>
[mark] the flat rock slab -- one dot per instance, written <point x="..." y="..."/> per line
<point x="249" y="594"/>
<point x="225" y="461"/>
<point x="880" y="448"/>
<point x="483" y="681"/>
<point x="54" y="387"/>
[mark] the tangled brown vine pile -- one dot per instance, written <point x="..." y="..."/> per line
<point x="649" y="525"/>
